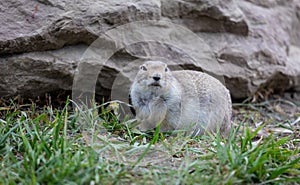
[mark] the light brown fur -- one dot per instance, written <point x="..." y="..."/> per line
<point x="180" y="100"/>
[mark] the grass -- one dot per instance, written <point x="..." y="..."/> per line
<point x="86" y="147"/>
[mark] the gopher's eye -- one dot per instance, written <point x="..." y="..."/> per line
<point x="166" y="69"/>
<point x="143" y="68"/>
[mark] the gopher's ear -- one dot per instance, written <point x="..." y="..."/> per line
<point x="143" y="67"/>
<point x="166" y="68"/>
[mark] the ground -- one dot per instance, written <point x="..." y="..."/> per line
<point x="41" y="143"/>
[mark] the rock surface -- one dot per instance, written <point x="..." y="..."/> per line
<point x="43" y="42"/>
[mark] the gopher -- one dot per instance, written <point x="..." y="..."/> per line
<point x="180" y="100"/>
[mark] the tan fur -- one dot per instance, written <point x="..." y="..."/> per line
<point x="180" y="100"/>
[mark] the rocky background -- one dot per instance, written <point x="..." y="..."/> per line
<point x="42" y="41"/>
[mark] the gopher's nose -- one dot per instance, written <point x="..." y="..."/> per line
<point x="156" y="78"/>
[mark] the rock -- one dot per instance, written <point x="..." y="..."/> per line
<point x="52" y="24"/>
<point x="293" y="68"/>
<point x="36" y="73"/>
<point x="252" y="62"/>
<point x="294" y="30"/>
<point x="43" y="43"/>
<point x="206" y="16"/>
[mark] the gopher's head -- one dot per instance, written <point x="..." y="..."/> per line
<point x="154" y="76"/>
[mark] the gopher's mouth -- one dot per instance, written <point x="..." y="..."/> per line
<point x="155" y="84"/>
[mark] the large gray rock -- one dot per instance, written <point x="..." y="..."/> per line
<point x="206" y="15"/>
<point x="35" y="73"/>
<point x="51" y="24"/>
<point x="42" y="42"/>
